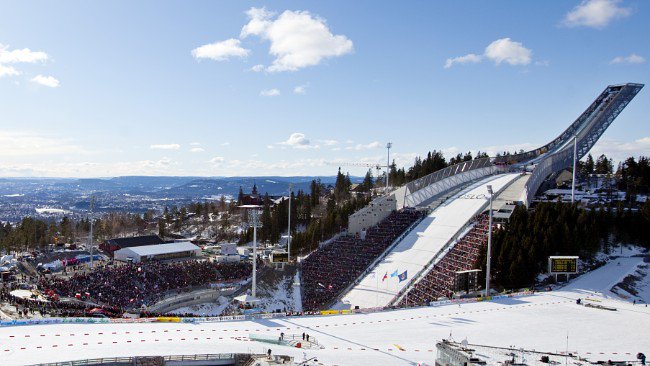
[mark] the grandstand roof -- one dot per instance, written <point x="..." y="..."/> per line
<point x="136" y="241"/>
<point x="163" y="248"/>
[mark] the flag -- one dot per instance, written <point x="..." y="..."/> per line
<point x="402" y="277"/>
<point x="385" y="277"/>
<point x="394" y="274"/>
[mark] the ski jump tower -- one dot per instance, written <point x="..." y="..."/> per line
<point x="541" y="162"/>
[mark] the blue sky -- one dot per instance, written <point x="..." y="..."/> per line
<point x="286" y="88"/>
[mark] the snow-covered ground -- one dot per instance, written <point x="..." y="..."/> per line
<point x="420" y="246"/>
<point x="279" y="292"/>
<point x="401" y="337"/>
<point x="614" y="278"/>
<point x="206" y="309"/>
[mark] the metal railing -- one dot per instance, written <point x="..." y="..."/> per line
<point x="130" y="360"/>
<point x="447" y="172"/>
<point x="601" y="115"/>
<point x="567" y="135"/>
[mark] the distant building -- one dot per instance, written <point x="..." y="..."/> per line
<point x="157" y="252"/>
<point x="111" y="245"/>
<point x="253" y="198"/>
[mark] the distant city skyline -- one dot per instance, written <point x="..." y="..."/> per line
<point x="203" y="88"/>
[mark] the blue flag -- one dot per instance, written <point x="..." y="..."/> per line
<point x="402" y="277"/>
<point x="394" y="274"/>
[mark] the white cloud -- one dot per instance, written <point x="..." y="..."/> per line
<point x="300" y="89"/>
<point x="372" y="145"/>
<point x="270" y="92"/>
<point x="499" y="51"/>
<point x="221" y="51"/>
<point x="8" y="71"/>
<point x="505" y="50"/>
<point x="298" y="140"/>
<point x="24" y="55"/>
<point x="195" y="144"/>
<point x="27" y="143"/>
<point x="595" y="13"/>
<point x="225" y="143"/>
<point x="61" y="168"/>
<point x="258" y="68"/>
<point x="621" y="150"/>
<point x="469" y="58"/>
<point x="217" y="160"/>
<point x="45" y="80"/>
<point x="165" y="147"/>
<point x="298" y="38"/>
<point x="329" y="142"/>
<point x="258" y="23"/>
<point x="197" y="150"/>
<point x="631" y="59"/>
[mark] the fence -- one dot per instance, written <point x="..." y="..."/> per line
<point x="130" y="360"/>
<point x="24" y="322"/>
<point x="424" y="189"/>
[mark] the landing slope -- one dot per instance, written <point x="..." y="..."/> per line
<point x="419" y="247"/>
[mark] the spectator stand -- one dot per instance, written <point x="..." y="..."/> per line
<point x="437" y="278"/>
<point x="380" y="258"/>
<point x="328" y="271"/>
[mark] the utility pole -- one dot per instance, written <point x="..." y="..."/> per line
<point x="575" y="162"/>
<point x="90" y="236"/>
<point x="289" y="228"/>
<point x="388" y="146"/>
<point x="254" y="221"/>
<point x="489" y="247"/>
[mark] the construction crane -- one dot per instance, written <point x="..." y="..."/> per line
<point x="367" y="165"/>
<point x="389" y="145"/>
<point x="359" y="164"/>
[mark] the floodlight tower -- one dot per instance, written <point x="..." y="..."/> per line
<point x="90" y="236"/>
<point x="254" y="221"/>
<point x="388" y="146"/>
<point x="489" y="246"/>
<point x="289" y="228"/>
<point x="575" y="158"/>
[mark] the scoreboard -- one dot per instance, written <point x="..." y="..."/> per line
<point x="562" y="264"/>
<point x="279" y="257"/>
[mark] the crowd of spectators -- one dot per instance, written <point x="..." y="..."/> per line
<point x="37" y="308"/>
<point x="130" y="286"/>
<point x="439" y="282"/>
<point x="329" y="270"/>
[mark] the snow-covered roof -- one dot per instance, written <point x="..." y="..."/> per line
<point x="162" y="248"/>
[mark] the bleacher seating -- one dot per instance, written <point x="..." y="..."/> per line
<point x="439" y="281"/>
<point x="329" y="270"/>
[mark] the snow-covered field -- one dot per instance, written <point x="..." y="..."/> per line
<point x="402" y="337"/>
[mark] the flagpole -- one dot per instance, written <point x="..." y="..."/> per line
<point x="376" y="291"/>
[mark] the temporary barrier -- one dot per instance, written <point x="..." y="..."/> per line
<point x="174" y="319"/>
